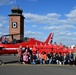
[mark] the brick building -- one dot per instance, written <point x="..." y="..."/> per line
<point x="16" y="23"/>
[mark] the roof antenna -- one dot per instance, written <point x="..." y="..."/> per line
<point x="17" y="6"/>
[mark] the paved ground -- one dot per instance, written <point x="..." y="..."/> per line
<point x="9" y="59"/>
<point x="13" y="68"/>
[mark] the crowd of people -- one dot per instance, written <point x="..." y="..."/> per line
<point x="47" y="54"/>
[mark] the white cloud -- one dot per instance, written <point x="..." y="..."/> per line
<point x="34" y="26"/>
<point x="3" y="20"/>
<point x="69" y="34"/>
<point x="50" y="18"/>
<point x="0" y="33"/>
<point x="59" y="27"/>
<point x="32" y="33"/>
<point x="68" y="26"/>
<point x="63" y="33"/>
<point x="7" y="2"/>
<point x="1" y="25"/>
<point x="2" y="17"/>
<point x="72" y="14"/>
<point x="12" y="1"/>
<point x="37" y="35"/>
<point x="71" y="17"/>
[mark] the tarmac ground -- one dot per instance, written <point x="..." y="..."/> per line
<point x="12" y="67"/>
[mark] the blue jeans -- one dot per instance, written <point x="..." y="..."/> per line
<point x="41" y="61"/>
<point x="33" y="63"/>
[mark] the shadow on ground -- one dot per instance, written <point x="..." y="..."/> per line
<point x="11" y="62"/>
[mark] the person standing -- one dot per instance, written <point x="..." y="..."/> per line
<point x="25" y="57"/>
<point x="55" y="48"/>
<point x="70" y="58"/>
<point x="20" y="54"/>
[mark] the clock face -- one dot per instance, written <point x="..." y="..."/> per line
<point x="14" y="24"/>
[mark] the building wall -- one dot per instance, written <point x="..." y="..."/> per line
<point x="20" y="26"/>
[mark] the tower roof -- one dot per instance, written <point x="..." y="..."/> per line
<point x="16" y="10"/>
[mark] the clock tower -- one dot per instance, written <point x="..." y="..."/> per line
<point x="16" y="23"/>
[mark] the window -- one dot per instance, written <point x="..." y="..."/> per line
<point x="14" y="24"/>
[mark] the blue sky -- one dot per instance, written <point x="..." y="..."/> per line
<point x="43" y="17"/>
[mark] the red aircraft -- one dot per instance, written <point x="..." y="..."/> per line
<point x="11" y="48"/>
